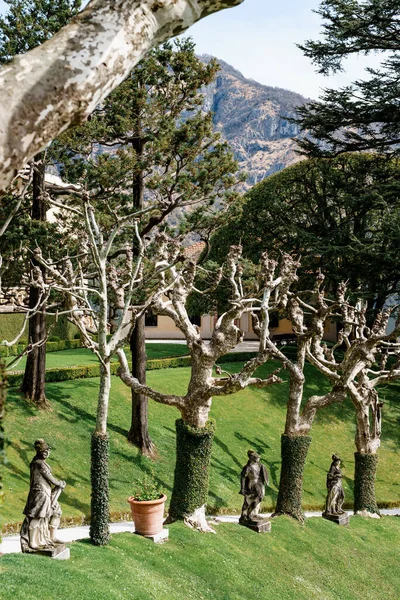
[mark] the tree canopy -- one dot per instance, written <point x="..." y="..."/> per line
<point x="364" y="115"/>
<point x="341" y="215"/>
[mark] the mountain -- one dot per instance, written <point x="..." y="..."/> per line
<point x="253" y="118"/>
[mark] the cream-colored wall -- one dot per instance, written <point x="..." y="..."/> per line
<point x="166" y="328"/>
<point x="330" y="332"/>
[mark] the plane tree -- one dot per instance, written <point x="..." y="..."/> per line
<point x="195" y="430"/>
<point x="145" y="113"/>
<point x="354" y="367"/>
<point x="60" y="83"/>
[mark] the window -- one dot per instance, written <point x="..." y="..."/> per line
<point x="274" y="320"/>
<point x="195" y="320"/>
<point x="150" y="319"/>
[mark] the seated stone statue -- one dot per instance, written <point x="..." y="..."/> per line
<point x="335" y="498"/>
<point x="42" y="511"/>
<point x="254" y="478"/>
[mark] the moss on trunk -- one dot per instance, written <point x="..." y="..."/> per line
<point x="100" y="512"/>
<point x="3" y="392"/>
<point x="364" y="482"/>
<point x="294" y="449"/>
<point x="193" y="455"/>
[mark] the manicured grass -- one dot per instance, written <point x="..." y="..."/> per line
<point x="83" y="356"/>
<point x="317" y="561"/>
<point x="251" y="419"/>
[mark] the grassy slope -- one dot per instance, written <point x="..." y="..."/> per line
<point x="83" y="356"/>
<point x="251" y="419"/>
<point x="317" y="561"/>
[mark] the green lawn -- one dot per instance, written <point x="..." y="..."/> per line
<point x="251" y="419"/>
<point x="83" y="356"/>
<point x="317" y="561"/>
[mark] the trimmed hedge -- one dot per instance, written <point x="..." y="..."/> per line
<point x="364" y="482"/>
<point x="87" y="371"/>
<point x="50" y="347"/>
<point x="192" y="468"/>
<point x="100" y="511"/>
<point x="294" y="449"/>
<point x="11" y="323"/>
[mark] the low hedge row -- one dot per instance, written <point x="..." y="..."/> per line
<point x="86" y="371"/>
<point x="50" y="347"/>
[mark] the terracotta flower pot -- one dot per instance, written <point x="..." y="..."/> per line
<point x="148" y="515"/>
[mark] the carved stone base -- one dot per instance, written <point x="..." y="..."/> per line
<point x="257" y="526"/>
<point x="60" y="552"/>
<point x="339" y="519"/>
<point x="158" y="538"/>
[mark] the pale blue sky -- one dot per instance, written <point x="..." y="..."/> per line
<point x="258" y="38"/>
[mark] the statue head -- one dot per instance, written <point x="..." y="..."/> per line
<point x="42" y="447"/>
<point x="335" y="458"/>
<point x="253" y="455"/>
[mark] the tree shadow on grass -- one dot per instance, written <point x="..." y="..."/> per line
<point x="260" y="446"/>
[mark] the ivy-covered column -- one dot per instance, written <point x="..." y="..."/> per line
<point x="294" y="449"/>
<point x="3" y="387"/>
<point x="193" y="456"/>
<point x="364" y="482"/>
<point x="100" y="514"/>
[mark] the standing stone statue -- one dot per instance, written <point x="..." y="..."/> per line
<point x="335" y="498"/>
<point x="42" y="511"/>
<point x="253" y="479"/>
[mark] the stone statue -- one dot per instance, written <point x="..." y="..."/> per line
<point x="335" y="498"/>
<point x="42" y="511"/>
<point x="253" y="479"/>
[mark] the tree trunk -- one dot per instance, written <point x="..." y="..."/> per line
<point x="367" y="442"/>
<point x="139" y="432"/>
<point x="3" y="387"/>
<point x="364" y="483"/>
<point x="294" y="449"/>
<point x="33" y="384"/>
<point x="100" y="512"/>
<point x="190" y="490"/>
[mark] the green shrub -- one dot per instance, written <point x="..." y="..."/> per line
<point x="192" y="468"/>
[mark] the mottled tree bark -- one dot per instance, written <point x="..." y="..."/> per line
<point x="33" y="384"/>
<point x="59" y="84"/>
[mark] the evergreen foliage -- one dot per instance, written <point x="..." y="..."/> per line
<point x="341" y="215"/>
<point x="99" y="520"/>
<point x="3" y="387"/>
<point x="294" y="449"/>
<point x="29" y="23"/>
<point x="363" y="115"/>
<point x="193" y="456"/>
<point x="364" y="482"/>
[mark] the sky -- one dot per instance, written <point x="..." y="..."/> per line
<point x="259" y="39"/>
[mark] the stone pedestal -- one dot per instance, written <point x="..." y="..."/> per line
<point x="59" y="552"/>
<point x="158" y="538"/>
<point x="257" y="526"/>
<point x="338" y="519"/>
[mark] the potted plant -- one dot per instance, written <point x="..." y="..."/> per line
<point x="147" y="506"/>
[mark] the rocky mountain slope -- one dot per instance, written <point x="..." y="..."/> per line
<point x="251" y="117"/>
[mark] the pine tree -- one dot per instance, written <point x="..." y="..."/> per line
<point x="27" y="24"/>
<point x="364" y="115"/>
